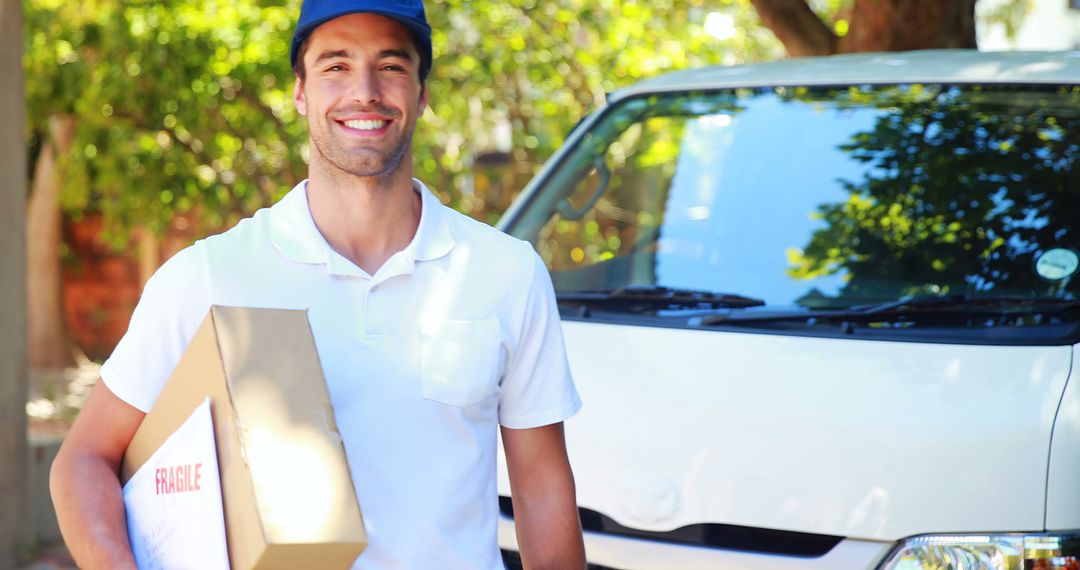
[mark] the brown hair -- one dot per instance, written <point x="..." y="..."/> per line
<point x="298" y="64"/>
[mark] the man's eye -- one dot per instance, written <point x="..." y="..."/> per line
<point x="336" y="67"/>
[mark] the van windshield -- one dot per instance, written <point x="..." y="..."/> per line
<point x="824" y="200"/>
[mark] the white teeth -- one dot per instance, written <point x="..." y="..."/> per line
<point x="364" y="125"/>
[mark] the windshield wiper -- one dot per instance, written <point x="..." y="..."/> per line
<point x="993" y="304"/>
<point x="657" y="297"/>
<point x="911" y="310"/>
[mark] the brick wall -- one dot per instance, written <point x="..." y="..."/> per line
<point x="101" y="287"/>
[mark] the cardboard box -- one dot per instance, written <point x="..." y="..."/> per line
<point x="288" y="495"/>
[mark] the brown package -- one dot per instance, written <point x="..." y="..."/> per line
<point x="288" y="495"/>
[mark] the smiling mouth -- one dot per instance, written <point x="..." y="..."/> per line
<point x="365" y="125"/>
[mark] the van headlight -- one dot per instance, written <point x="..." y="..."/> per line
<point x="1043" y="551"/>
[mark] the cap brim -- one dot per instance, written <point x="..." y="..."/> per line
<point x="419" y="30"/>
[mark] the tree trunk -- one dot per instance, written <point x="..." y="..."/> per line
<point x="49" y="344"/>
<point x="800" y="30"/>
<point x="875" y="25"/>
<point x="13" y="459"/>
<point x="149" y="255"/>
<point x="901" y="25"/>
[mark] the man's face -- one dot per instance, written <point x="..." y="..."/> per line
<point x="361" y="95"/>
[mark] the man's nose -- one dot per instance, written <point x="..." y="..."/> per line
<point x="364" y="88"/>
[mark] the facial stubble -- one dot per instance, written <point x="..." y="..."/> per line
<point x="359" y="161"/>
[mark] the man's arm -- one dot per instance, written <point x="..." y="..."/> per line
<point x="85" y="485"/>
<point x="545" y="504"/>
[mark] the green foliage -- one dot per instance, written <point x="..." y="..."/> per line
<point x="185" y="106"/>
<point x="1009" y="14"/>
<point x="538" y="68"/>
<point x="180" y="106"/>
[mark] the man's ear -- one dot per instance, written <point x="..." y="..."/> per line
<point x="423" y="97"/>
<point x="298" y="97"/>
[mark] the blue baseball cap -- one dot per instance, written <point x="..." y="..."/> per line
<point x="408" y="13"/>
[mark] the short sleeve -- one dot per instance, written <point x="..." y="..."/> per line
<point x="537" y="388"/>
<point x="174" y="303"/>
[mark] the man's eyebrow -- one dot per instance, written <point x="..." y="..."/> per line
<point x="399" y="53"/>
<point x="331" y="54"/>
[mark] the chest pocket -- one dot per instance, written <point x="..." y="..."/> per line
<point x="459" y="361"/>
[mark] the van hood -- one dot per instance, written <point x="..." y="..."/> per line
<point x="855" y="438"/>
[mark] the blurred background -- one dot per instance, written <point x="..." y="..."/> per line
<point x="146" y="125"/>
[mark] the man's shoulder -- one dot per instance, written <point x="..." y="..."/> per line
<point x="193" y="265"/>
<point x="487" y="239"/>
<point x="246" y="234"/>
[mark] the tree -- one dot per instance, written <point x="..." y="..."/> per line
<point x="43" y="222"/>
<point x="50" y="113"/>
<point x="189" y="106"/>
<point x="12" y="288"/>
<point x="143" y="111"/>
<point x="844" y="26"/>
<point x="179" y="107"/>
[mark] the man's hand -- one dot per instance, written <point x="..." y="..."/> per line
<point x="545" y="504"/>
<point x="85" y="484"/>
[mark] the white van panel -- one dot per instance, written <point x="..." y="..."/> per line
<point x="1063" y="481"/>
<point x="860" y="439"/>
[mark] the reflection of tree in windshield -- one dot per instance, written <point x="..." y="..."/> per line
<point x="964" y="187"/>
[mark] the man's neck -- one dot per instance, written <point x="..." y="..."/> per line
<point x="365" y="219"/>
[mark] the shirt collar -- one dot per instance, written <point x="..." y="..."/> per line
<point x="293" y="231"/>
<point x="433" y="238"/>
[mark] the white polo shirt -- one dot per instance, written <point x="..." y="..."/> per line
<point x="452" y="336"/>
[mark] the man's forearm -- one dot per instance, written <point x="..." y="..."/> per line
<point x="90" y="509"/>
<point x="549" y="531"/>
<point x="545" y="500"/>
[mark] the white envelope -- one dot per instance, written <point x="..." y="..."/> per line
<point x="174" y="511"/>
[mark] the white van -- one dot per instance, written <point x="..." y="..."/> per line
<point x="823" y="314"/>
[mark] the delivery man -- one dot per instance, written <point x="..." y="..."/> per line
<point x="432" y="329"/>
